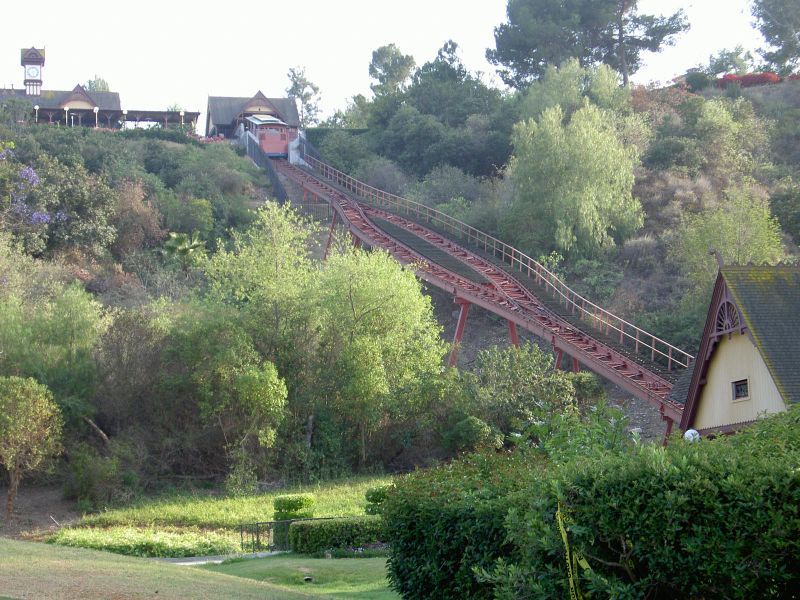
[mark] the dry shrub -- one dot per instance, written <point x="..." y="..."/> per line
<point x="137" y="221"/>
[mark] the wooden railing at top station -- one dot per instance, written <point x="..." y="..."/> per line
<point x="596" y="316"/>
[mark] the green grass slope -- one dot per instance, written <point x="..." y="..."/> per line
<point x="362" y="578"/>
<point x="31" y="570"/>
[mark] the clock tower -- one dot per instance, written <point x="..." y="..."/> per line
<point x="32" y="60"/>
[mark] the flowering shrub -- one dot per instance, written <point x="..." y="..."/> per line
<point x="752" y="79"/>
<point x="727" y="80"/>
<point x="748" y="79"/>
<point x="17" y="213"/>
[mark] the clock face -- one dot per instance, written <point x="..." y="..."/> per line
<point x="32" y="71"/>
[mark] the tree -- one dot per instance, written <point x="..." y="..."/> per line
<point x="741" y="230"/>
<point x="445" y="89"/>
<point x="30" y="430"/>
<point x="306" y="92"/>
<point x="15" y="110"/>
<point x="97" y="84"/>
<point x="568" y="84"/>
<point x="738" y="61"/>
<point x="517" y="386"/>
<point x="50" y="335"/>
<point x="343" y="150"/>
<point x="548" y="32"/>
<point x="574" y="183"/>
<point x="213" y="362"/>
<point x="390" y="68"/>
<point x="779" y="23"/>
<point x="378" y="340"/>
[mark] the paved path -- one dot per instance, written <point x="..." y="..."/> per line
<point x="193" y="561"/>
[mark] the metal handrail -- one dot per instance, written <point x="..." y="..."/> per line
<point x="595" y="315"/>
<point x="254" y="151"/>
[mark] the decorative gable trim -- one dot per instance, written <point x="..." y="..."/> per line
<point x="78" y="94"/>
<point x="724" y="319"/>
<point x="32" y="56"/>
<point x="259" y="100"/>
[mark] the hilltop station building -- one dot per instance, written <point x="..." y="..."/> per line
<point x="81" y="107"/>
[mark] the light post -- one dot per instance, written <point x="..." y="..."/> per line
<point x="36" y="112"/>
<point x="96" y="110"/>
<point x="182" y="113"/>
<point x="66" y="116"/>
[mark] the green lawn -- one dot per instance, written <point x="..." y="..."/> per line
<point x="340" y="498"/>
<point x="32" y="570"/>
<point x="197" y="525"/>
<point x="362" y="578"/>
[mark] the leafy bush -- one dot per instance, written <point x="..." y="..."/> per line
<point x="294" y="506"/>
<point x="94" y="480"/>
<point x="376" y="496"/>
<point x="716" y="519"/>
<point x="595" y="279"/>
<point x="471" y="434"/>
<point x="697" y="80"/>
<point x="443" y="523"/>
<point x="290" y="506"/>
<point x="313" y="536"/>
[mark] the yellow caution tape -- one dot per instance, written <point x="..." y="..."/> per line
<point x="573" y="559"/>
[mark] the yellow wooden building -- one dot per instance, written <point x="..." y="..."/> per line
<point x="748" y="364"/>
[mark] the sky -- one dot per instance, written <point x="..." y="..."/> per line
<point x="160" y="53"/>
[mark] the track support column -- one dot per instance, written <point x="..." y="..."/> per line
<point x="667" y="431"/>
<point x="559" y="356"/>
<point x="512" y="333"/>
<point x="576" y="366"/>
<point x="462" y="321"/>
<point x="330" y="236"/>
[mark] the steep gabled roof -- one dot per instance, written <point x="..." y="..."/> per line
<point x="31" y="56"/>
<point x="767" y="306"/>
<point x="78" y="93"/>
<point x="769" y="300"/>
<point x="224" y="110"/>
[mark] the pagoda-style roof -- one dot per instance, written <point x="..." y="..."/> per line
<point x="762" y="302"/>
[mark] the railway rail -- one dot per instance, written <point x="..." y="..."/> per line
<point x="492" y="288"/>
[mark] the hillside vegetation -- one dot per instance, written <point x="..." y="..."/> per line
<point x="166" y="325"/>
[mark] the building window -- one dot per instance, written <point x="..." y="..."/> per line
<point x="741" y="390"/>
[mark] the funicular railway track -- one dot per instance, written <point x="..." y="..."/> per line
<point x="473" y="279"/>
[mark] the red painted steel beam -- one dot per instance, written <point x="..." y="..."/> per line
<point x="559" y="356"/>
<point x="463" y="313"/>
<point x="504" y="296"/>
<point x="331" y="231"/>
<point x="512" y="333"/>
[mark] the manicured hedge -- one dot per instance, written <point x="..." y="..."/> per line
<point x="715" y="519"/>
<point x="287" y="507"/>
<point x="293" y="506"/>
<point x="308" y="537"/>
<point x="443" y="522"/>
<point x="375" y="497"/>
